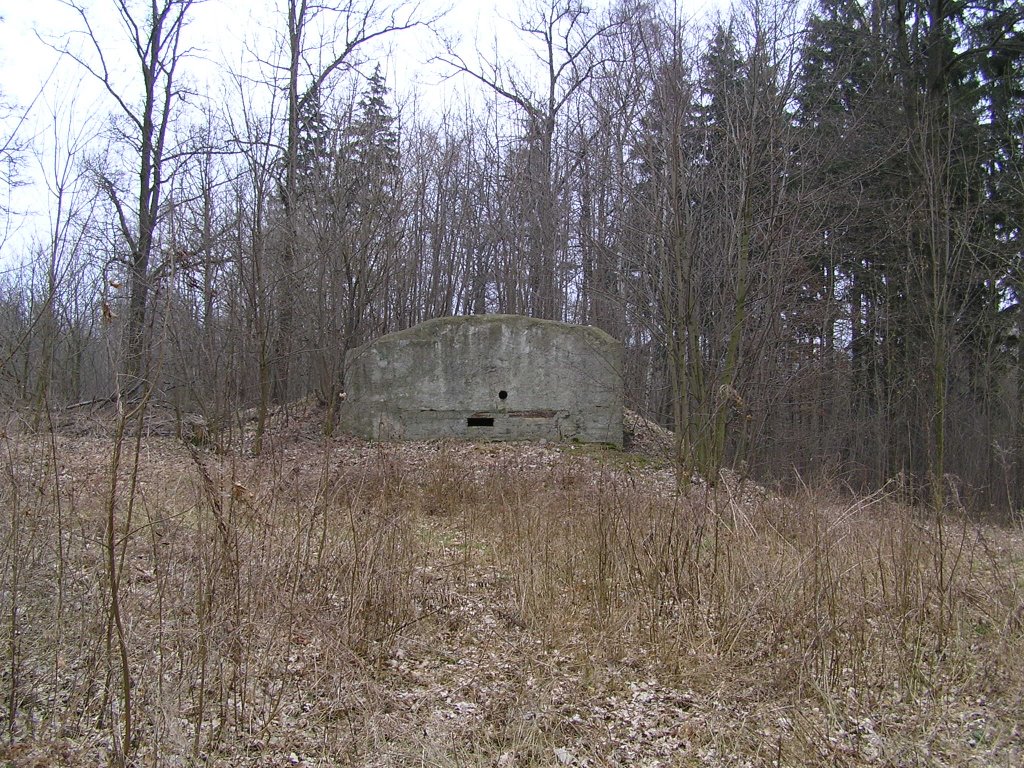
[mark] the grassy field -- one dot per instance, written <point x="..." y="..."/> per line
<point x="333" y="602"/>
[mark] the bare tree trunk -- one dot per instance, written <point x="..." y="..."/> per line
<point x="156" y="41"/>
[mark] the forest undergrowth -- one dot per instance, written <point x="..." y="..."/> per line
<point x="335" y="602"/>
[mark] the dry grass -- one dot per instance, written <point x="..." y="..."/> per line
<point x="338" y="603"/>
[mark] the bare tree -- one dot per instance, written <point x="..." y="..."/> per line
<point x="251" y="292"/>
<point x="147" y="110"/>
<point x="352" y="213"/>
<point x="607" y="124"/>
<point x="72" y="199"/>
<point x="348" y="25"/>
<point x="143" y="130"/>
<point x="200" y="212"/>
<point x="14" y="148"/>
<point x="564" y="40"/>
<point x="713" y="227"/>
<point x="10" y="155"/>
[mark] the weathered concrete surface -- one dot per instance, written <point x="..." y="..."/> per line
<point x="492" y="377"/>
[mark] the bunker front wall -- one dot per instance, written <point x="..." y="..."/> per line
<point x="494" y="377"/>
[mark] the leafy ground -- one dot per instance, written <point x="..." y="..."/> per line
<point x="334" y="602"/>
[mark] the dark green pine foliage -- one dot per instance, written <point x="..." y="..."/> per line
<point x="996" y="42"/>
<point x="369" y="150"/>
<point x="723" y="77"/>
<point x="354" y="230"/>
<point x="720" y="173"/>
<point x="367" y="200"/>
<point x="911" y="114"/>
<point x="314" y="158"/>
<point x="712" y="167"/>
<point x="853" y="157"/>
<point x="952" y="236"/>
<point x="836" y="63"/>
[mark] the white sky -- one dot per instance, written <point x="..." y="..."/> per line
<point x="219" y="32"/>
<point x="223" y="35"/>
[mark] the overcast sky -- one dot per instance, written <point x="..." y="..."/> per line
<point x="225" y="35"/>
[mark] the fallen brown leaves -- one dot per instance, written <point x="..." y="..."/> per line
<point x="335" y="602"/>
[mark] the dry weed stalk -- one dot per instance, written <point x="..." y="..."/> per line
<point x="264" y="594"/>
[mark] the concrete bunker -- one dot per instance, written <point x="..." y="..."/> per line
<point x="492" y="377"/>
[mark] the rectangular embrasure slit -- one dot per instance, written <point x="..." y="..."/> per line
<point x="480" y="421"/>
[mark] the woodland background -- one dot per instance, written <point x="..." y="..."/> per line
<point x="803" y="222"/>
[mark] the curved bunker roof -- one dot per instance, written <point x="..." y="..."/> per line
<point x="497" y="377"/>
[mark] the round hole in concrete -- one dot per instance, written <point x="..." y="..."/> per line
<point x="502" y="395"/>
